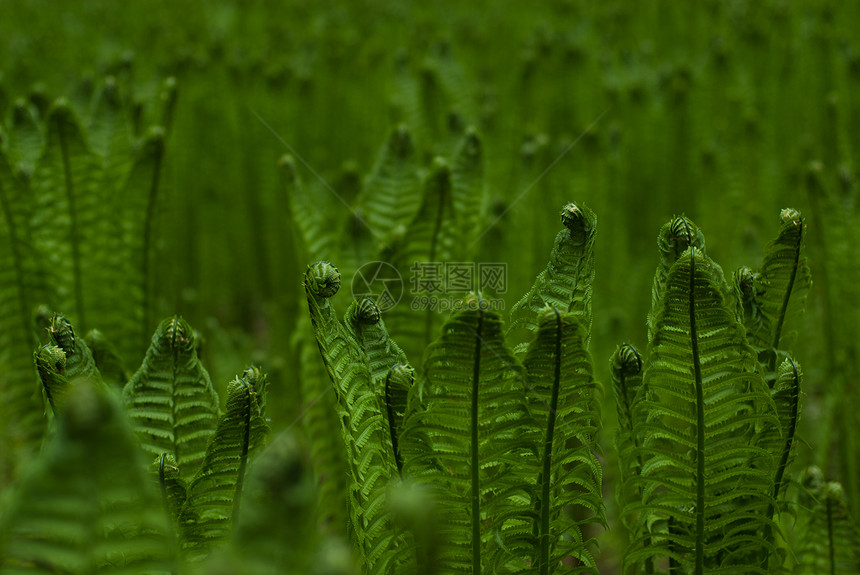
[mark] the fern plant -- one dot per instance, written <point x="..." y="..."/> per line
<point x="507" y="450"/>
<point x="77" y="222"/>
<point x="706" y="432"/>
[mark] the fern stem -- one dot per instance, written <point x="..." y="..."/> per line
<point x="175" y="351"/>
<point x="474" y="463"/>
<point x="74" y="235"/>
<point x="784" y="309"/>
<point x="700" y="425"/>
<point x="547" y="452"/>
<point x="161" y="483"/>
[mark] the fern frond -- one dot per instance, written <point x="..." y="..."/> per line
<point x="389" y="197"/>
<point x="703" y="504"/>
<point x="468" y="189"/>
<point x="566" y="281"/>
<point x="322" y="429"/>
<point x="467" y="434"/>
<point x="370" y="455"/>
<point x="782" y="286"/>
<point x="170" y="484"/>
<point x="21" y="283"/>
<point x="308" y="212"/>
<point x="79" y="358"/>
<point x="69" y="210"/>
<point x="25" y="136"/>
<point x="830" y="540"/>
<point x="429" y="239"/>
<point x="675" y="237"/>
<point x="137" y="204"/>
<point x="215" y="493"/>
<point x="170" y="400"/>
<point x="50" y="363"/>
<point x="625" y="367"/>
<point x="389" y="369"/>
<point x="86" y="505"/>
<point x="565" y="399"/>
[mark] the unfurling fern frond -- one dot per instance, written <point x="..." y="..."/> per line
<point x="370" y="455"/>
<point x="675" y="237"/>
<point x="172" y="487"/>
<point x="171" y="402"/>
<point x="565" y="401"/>
<point x="626" y="371"/>
<point x="66" y="358"/>
<point x="468" y="434"/>
<point x="703" y="503"/>
<point x="215" y="493"/>
<point x="86" y="505"/>
<point x="566" y="281"/>
<point x="779" y="289"/>
<point x="829" y="536"/>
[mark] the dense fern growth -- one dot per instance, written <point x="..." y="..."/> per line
<point x="214" y="495"/>
<point x="702" y="399"/>
<point x="170" y="399"/>
<point x="366" y="434"/>
<point x="565" y="400"/>
<point x="86" y="505"/>
<point x="829" y="536"/>
<point x="467" y="434"/>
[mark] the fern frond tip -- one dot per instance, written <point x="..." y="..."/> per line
<point x="322" y="279"/>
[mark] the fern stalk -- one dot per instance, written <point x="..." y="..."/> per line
<point x="700" y="424"/>
<point x="547" y="451"/>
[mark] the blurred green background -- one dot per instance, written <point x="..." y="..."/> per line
<point x="725" y="111"/>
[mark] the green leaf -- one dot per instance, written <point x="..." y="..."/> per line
<point x="466" y="434"/>
<point x="565" y="399"/>
<point x="390" y="196"/>
<point x="626" y="371"/>
<point x="86" y="504"/>
<point x="170" y="484"/>
<point x="370" y="455"/>
<point x="779" y="290"/>
<point x="673" y="240"/>
<point x="215" y="493"/>
<point x="170" y="400"/>
<point x="703" y="503"/>
<point x="566" y="281"/>
<point x="829" y="537"/>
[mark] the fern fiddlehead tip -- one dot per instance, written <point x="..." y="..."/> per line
<point x="790" y="215"/>
<point x="62" y="333"/>
<point x="367" y="311"/>
<point x="179" y="333"/>
<point x="322" y="279"/>
<point x="401" y="374"/>
<point x="627" y="360"/>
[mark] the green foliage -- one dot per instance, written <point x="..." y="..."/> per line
<point x="566" y="282"/>
<point x="703" y="398"/>
<point x="85" y="504"/>
<point x="829" y="538"/>
<point x="366" y="435"/>
<point x="215" y="493"/>
<point x="170" y="400"/>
